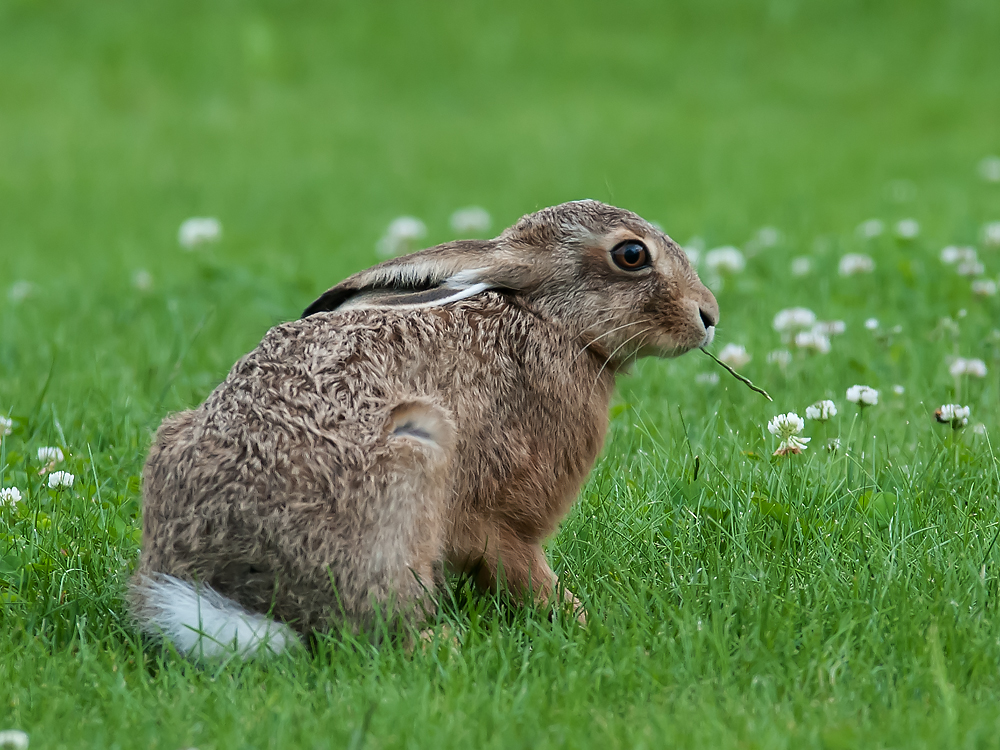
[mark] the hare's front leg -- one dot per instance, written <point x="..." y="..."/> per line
<point x="520" y="566"/>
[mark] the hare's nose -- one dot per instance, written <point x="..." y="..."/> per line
<point x="708" y="317"/>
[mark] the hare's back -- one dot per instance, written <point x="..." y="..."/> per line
<point x="289" y="433"/>
<point x="333" y="378"/>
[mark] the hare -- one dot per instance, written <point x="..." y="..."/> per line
<point x="439" y="410"/>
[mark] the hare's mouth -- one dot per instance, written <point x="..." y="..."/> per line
<point x="709" y="337"/>
<point x="667" y="346"/>
<point x="665" y="351"/>
<point x="650" y="342"/>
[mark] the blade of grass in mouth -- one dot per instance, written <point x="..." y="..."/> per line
<point x="746" y="381"/>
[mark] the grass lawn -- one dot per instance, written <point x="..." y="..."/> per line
<point x="833" y="599"/>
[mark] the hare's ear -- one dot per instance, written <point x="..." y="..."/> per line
<point x="430" y="278"/>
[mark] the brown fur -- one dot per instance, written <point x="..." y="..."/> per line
<point x="354" y="452"/>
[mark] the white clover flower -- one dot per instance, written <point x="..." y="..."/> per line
<point x="142" y="280"/>
<point x="50" y="455"/>
<point x="821" y="411"/>
<point x="853" y="264"/>
<point x="20" y="291"/>
<point x="974" y="367"/>
<point x="471" y="220"/>
<point x="953" y="414"/>
<point x="871" y="324"/>
<point x="401" y="236"/>
<point x="984" y="287"/>
<point x="59" y="479"/>
<point x="696" y="245"/>
<point x="907" y="229"/>
<point x="833" y="445"/>
<point x="198" y="230"/>
<point x="768" y="236"/>
<point x="979" y="428"/>
<point x="970" y="268"/>
<point x="725" y="260"/>
<point x="871" y="228"/>
<point x="989" y="168"/>
<point x="794" y="318"/>
<point x="786" y="428"/>
<point x="830" y="327"/>
<point x="862" y="395"/>
<point x="10" y="496"/>
<point x="953" y="254"/>
<point x="707" y="378"/>
<point x="14" y="739"/>
<point x="6" y="425"/>
<point x="991" y="234"/>
<point x="765" y="237"/>
<point x="817" y="341"/>
<point x="898" y="390"/>
<point x="801" y="266"/>
<point x="734" y="355"/>
<point x="950" y="254"/>
<point x="780" y="357"/>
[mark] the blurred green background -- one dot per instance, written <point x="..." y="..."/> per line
<point x="306" y="127"/>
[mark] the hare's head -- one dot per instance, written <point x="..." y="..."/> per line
<point x="613" y="279"/>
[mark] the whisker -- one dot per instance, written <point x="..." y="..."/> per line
<point x="607" y="333"/>
<point x="617" y="349"/>
<point x="613" y="312"/>
<point x="600" y="322"/>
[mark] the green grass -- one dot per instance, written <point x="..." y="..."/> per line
<point x="826" y="600"/>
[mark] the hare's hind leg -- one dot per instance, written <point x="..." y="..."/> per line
<point x="297" y="555"/>
<point x="406" y="542"/>
<point x="382" y="551"/>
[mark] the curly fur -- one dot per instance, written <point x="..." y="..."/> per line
<point x="395" y="429"/>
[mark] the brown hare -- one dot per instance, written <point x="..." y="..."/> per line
<point x="439" y="409"/>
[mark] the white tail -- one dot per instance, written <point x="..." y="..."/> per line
<point x="201" y="622"/>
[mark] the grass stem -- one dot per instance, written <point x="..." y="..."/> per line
<point x="746" y="381"/>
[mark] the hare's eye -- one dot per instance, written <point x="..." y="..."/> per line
<point x="630" y="256"/>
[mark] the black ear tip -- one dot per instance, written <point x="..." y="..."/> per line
<point x="329" y="300"/>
